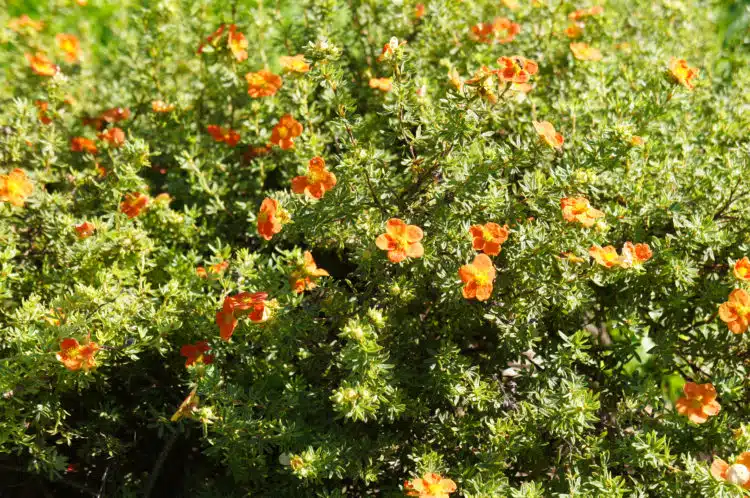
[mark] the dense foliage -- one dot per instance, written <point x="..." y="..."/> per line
<point x="366" y="241"/>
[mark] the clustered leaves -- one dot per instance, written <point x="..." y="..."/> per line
<point x="328" y="248"/>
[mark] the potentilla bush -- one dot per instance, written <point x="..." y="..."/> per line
<point x="362" y="248"/>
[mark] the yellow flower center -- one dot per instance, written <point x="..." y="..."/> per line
<point x="482" y="279"/>
<point x="283" y="131"/>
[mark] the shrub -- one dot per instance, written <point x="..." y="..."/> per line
<point x="330" y="248"/>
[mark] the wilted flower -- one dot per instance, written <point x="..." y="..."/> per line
<point x="501" y="30"/>
<point x="294" y="63"/>
<point x="547" y="133"/>
<point x="188" y="407"/>
<point x="43" y="107"/>
<point x="574" y="30"/>
<point x="82" y="144"/>
<point x="401" y="241"/>
<point x="161" y="106"/>
<point x="305" y="276"/>
<point x="317" y="181"/>
<point x="85" y="230"/>
<point x="237" y="43"/>
<point x="698" y="403"/>
<point x="24" y="22"/>
<point x="581" y="13"/>
<point x="115" y="114"/>
<point x="682" y="73"/>
<point x="15" y="187"/>
<point x="382" y="84"/>
<point x="585" y="52"/>
<point x="738" y="473"/>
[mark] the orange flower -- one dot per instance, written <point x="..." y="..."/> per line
<point x="43" y="107"/>
<point x="85" y="230"/>
<point x="317" y="181"/>
<point x="226" y="135"/>
<point x="636" y="141"/>
<point x="478" y="277"/>
<point x="41" y="65"/>
<point x="294" y="63"/>
<point x="511" y="4"/>
<point x="501" y="30"/>
<point x="430" y="486"/>
<point x="489" y="237"/>
<point x="77" y="356"/>
<point x="245" y="303"/>
<point x="161" y="106"/>
<point x="736" y="311"/>
<point x="547" y="133"/>
<point x="605" y="256"/>
<point x="18" y="24"/>
<point x="578" y="209"/>
<point x="742" y="269"/>
<point x="196" y="353"/>
<point x="698" y="403"/>
<point x="188" y="407"/>
<point x="585" y="52"/>
<point x="214" y="269"/>
<point x="382" y="84"/>
<point x="634" y="254"/>
<point x="285" y="131"/>
<point x="516" y="69"/>
<point x="419" y="10"/>
<point x="210" y="38"/>
<point x="737" y="473"/>
<point x="682" y="73"/>
<point x="115" y="115"/>
<point x="580" y="14"/>
<point x="15" y="187"/>
<point x="401" y="241"/>
<point x="82" y="144"/>
<point x="237" y="43"/>
<point x="69" y="45"/>
<point x="304" y="278"/>
<point x="574" y="30"/>
<point x="113" y="136"/>
<point x="271" y="218"/>
<point x="262" y="84"/>
<point x="133" y="204"/>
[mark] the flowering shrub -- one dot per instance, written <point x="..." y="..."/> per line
<point x="357" y="248"/>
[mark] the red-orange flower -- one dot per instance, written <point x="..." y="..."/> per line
<point x="574" y="30"/>
<point x="430" y="486"/>
<point x="187" y="407"/>
<point x="263" y="83"/>
<point x="237" y="43"/>
<point x="248" y="304"/>
<point x="737" y="473"/>
<point x="682" y="73"/>
<point x="606" y="256"/>
<point x="82" y="144"/>
<point x="43" y="107"/>
<point x="271" y="218"/>
<point x="113" y="136"/>
<point x="501" y="30"/>
<point x="285" y="131"/>
<point x="516" y="69"/>
<point x="20" y="23"/>
<point x="115" y="115"/>
<point x="382" y="84"/>
<point x="698" y="403"/>
<point x="69" y="45"/>
<point x="401" y="241"/>
<point x="134" y="204"/>
<point x="578" y="209"/>
<point x="77" y="356"/>
<point x="15" y="187"/>
<point x="317" y="181"/>
<point x="305" y="276"/>
<point x="547" y="133"/>
<point x="214" y="269"/>
<point x="585" y="52"/>
<point x="419" y="10"/>
<point x="161" y="106"/>
<point x="225" y="135"/>
<point x="478" y="277"/>
<point x="581" y="13"/>
<point x="196" y="353"/>
<point x="85" y="230"/>
<point x="489" y="237"/>
<point x="736" y="311"/>
<point x="634" y="254"/>
<point x="742" y="269"/>
<point x="41" y="64"/>
<point x="211" y="38"/>
<point x="294" y="63"/>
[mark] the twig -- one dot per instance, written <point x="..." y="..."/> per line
<point x="159" y="463"/>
